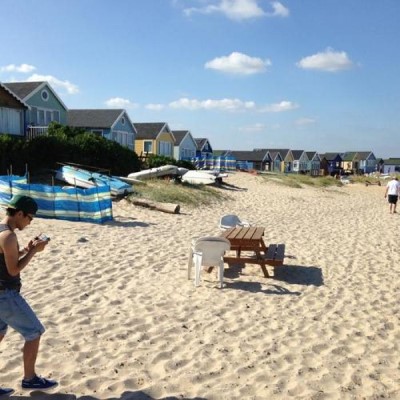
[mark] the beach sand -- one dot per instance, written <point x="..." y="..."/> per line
<point x="124" y="322"/>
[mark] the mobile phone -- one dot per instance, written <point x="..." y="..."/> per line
<point x="43" y="237"/>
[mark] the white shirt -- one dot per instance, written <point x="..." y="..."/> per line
<point x="393" y="187"/>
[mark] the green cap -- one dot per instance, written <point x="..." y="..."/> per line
<point x="23" y="203"/>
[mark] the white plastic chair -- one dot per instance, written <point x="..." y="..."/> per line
<point x="208" y="251"/>
<point x="231" y="221"/>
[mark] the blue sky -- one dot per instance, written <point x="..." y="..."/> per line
<point x="318" y="75"/>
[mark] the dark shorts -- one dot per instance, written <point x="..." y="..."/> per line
<point x="392" y="198"/>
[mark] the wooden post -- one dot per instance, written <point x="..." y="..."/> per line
<point x="164" y="207"/>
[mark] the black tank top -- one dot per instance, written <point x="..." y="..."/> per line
<point x="6" y="280"/>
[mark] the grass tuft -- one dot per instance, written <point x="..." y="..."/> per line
<point x="299" y="181"/>
<point x="164" y="191"/>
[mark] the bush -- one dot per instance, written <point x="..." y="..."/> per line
<point x="154" y="161"/>
<point x="64" y="145"/>
<point x="12" y="155"/>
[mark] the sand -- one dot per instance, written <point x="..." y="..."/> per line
<point x="124" y="322"/>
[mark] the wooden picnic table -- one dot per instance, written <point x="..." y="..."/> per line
<point x="250" y="239"/>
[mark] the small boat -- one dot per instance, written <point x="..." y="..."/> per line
<point x="199" y="178"/>
<point x="131" y="181"/>
<point x="155" y="172"/>
<point x="182" y="171"/>
<point x="86" y="179"/>
<point x="215" y="172"/>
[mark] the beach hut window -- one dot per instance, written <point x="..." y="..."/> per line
<point x="45" y="95"/>
<point x="49" y="118"/>
<point x="123" y="121"/>
<point x="41" y="117"/>
<point x="148" y="146"/>
<point x="165" y="148"/>
<point x="56" y="116"/>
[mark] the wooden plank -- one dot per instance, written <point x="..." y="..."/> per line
<point x="248" y="233"/>
<point x="265" y="271"/>
<point x="244" y="233"/>
<point x="225" y="234"/>
<point x="259" y="233"/>
<point x="233" y="233"/>
<point x="275" y="254"/>
<point x="270" y="254"/>
<point x="280" y="252"/>
<point x="241" y="234"/>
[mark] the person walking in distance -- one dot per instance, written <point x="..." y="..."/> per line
<point x="14" y="310"/>
<point x="392" y="193"/>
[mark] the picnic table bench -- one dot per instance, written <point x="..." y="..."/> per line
<point x="250" y="239"/>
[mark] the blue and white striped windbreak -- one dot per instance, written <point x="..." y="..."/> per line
<point x="67" y="203"/>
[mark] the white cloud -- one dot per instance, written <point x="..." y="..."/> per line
<point x="279" y="10"/>
<point x="222" y="105"/>
<point x="279" y="107"/>
<point x="329" y="60"/>
<point x="155" y="107"/>
<point x="305" y="121"/>
<point x="238" y="63"/>
<point x="235" y="105"/>
<point x="257" y="127"/>
<point x="23" y="68"/>
<point x="119" y="102"/>
<point x="69" y="87"/>
<point x="240" y="9"/>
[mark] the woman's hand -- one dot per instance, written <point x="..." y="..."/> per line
<point x="38" y="245"/>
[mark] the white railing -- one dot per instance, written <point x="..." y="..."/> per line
<point x="35" y="131"/>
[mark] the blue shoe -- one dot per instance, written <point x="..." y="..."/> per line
<point x="38" y="383"/>
<point x="6" y="392"/>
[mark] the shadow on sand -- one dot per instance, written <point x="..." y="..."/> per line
<point x="127" y="222"/>
<point x="139" y="395"/>
<point x="292" y="274"/>
<point x="256" y="287"/>
<point x="299" y="275"/>
<point x="228" y="186"/>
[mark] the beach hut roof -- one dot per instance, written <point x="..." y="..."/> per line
<point x="200" y="142"/>
<point x="274" y="154"/>
<point x="22" y="89"/>
<point x="330" y="156"/>
<point x="297" y="154"/>
<point x="25" y="90"/>
<point x="150" y="130"/>
<point x="391" y="161"/>
<point x="349" y="155"/>
<point x="245" y="155"/>
<point x="94" y="118"/>
<point x="11" y="94"/>
<point x="179" y="136"/>
<point x="364" y="155"/>
<point x="312" y="154"/>
<point x="282" y="152"/>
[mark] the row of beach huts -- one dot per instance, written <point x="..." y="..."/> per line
<point x="27" y="109"/>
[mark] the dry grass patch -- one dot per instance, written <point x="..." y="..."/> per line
<point x="164" y="191"/>
<point x="299" y="181"/>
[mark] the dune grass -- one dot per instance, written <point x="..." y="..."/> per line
<point x="299" y="181"/>
<point x="164" y="191"/>
<point x="368" y="180"/>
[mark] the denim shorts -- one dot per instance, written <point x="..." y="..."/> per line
<point x="16" y="312"/>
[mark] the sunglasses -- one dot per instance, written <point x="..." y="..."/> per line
<point x="28" y="216"/>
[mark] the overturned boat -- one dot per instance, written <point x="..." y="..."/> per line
<point x="86" y="179"/>
<point x="155" y="172"/>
